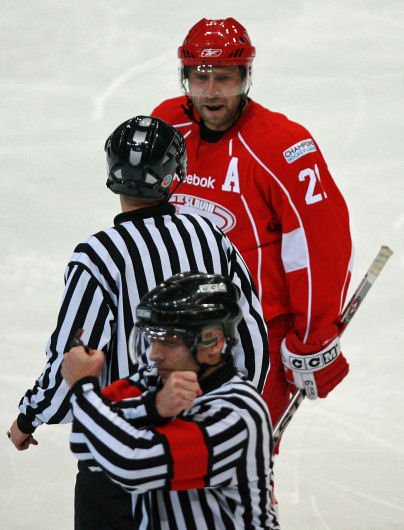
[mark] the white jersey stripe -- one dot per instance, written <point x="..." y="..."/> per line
<point x="294" y="251"/>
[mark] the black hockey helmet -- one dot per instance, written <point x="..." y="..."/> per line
<point x="189" y="301"/>
<point x="143" y="156"/>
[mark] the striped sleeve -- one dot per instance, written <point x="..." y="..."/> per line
<point x="84" y="305"/>
<point x="183" y="454"/>
<point x="209" y="468"/>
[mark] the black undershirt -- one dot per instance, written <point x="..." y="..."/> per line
<point x="208" y="135"/>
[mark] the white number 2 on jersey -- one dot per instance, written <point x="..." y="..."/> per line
<point x="314" y="177"/>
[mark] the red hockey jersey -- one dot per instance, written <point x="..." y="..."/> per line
<point x="266" y="184"/>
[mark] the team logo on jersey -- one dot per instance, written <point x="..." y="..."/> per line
<point x="298" y="150"/>
<point x="210" y="52"/>
<point x="220" y="216"/>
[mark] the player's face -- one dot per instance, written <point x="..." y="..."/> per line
<point x="171" y="354"/>
<point x="216" y="94"/>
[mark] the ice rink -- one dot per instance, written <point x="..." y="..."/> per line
<point x="70" y="73"/>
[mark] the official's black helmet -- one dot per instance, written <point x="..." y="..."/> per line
<point x="189" y="301"/>
<point x="143" y="156"/>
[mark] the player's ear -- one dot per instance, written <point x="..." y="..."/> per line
<point x="212" y="345"/>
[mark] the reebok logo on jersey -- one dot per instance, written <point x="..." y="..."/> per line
<point x="196" y="180"/>
<point x="220" y="216"/>
<point x="298" y="150"/>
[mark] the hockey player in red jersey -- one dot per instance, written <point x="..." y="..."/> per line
<point x="263" y="180"/>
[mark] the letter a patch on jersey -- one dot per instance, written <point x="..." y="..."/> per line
<point x="232" y="182"/>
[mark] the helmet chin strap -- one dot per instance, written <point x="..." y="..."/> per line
<point x="189" y="110"/>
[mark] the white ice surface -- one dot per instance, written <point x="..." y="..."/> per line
<point x="70" y="73"/>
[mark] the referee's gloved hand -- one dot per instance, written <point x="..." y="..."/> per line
<point x="315" y="368"/>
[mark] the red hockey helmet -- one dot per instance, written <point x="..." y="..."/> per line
<point x="221" y="42"/>
<point x="217" y="43"/>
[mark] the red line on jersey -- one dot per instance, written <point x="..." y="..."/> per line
<point x="121" y="389"/>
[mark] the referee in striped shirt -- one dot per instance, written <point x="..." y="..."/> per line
<point x="195" y="450"/>
<point x="111" y="271"/>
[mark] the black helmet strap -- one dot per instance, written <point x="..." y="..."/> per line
<point x="203" y="367"/>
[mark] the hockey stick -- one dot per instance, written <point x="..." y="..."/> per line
<point x="351" y="308"/>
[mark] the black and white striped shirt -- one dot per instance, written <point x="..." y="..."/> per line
<point x="105" y="279"/>
<point x="207" y="469"/>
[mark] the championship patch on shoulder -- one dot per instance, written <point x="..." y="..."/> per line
<point x="298" y="150"/>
